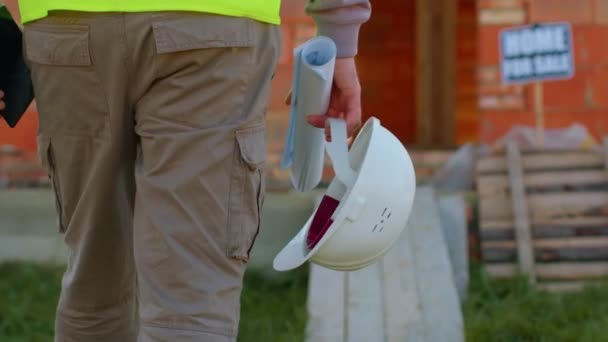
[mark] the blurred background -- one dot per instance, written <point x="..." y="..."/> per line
<point x="430" y="71"/>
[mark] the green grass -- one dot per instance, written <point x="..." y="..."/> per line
<point x="274" y="309"/>
<point x="510" y="310"/>
<point x="28" y="294"/>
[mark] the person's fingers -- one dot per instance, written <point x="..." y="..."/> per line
<point x="288" y="98"/>
<point x="317" y="120"/>
<point x="352" y="113"/>
<point x="320" y="121"/>
<point x="353" y="122"/>
<point x="1" y="102"/>
<point x="333" y="111"/>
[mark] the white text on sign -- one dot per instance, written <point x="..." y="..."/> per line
<point x="536" y="53"/>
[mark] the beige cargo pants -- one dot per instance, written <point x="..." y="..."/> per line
<point x="152" y="129"/>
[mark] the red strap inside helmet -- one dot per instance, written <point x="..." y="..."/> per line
<point x="322" y="220"/>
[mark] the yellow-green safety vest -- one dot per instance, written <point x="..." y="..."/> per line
<point x="262" y="10"/>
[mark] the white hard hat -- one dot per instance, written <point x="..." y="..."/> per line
<point x="366" y="206"/>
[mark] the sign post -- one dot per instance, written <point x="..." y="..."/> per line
<point x="539" y="113"/>
<point x="535" y="54"/>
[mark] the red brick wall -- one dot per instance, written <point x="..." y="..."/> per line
<point x="467" y="112"/>
<point x="387" y="66"/>
<point x="24" y="135"/>
<point x="583" y="99"/>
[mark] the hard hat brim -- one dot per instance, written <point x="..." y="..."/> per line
<point x="297" y="251"/>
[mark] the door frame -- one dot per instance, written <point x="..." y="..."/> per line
<point x="436" y="73"/>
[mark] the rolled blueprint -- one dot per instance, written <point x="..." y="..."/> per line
<point x="312" y="81"/>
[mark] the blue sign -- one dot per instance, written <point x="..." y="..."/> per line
<point x="536" y="53"/>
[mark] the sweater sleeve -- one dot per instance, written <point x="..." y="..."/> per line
<point x="340" y="20"/>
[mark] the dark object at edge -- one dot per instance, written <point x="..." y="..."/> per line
<point x="15" y="78"/>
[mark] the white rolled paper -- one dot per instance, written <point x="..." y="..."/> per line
<point x="313" y="76"/>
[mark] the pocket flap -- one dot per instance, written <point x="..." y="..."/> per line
<point x="66" y="45"/>
<point x="201" y="31"/>
<point x="252" y="144"/>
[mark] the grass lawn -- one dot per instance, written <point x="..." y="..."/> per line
<point x="274" y="309"/>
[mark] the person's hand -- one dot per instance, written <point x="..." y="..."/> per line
<point x="2" y="105"/>
<point x="345" y="101"/>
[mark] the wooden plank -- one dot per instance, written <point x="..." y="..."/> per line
<point x="546" y="205"/>
<point x="424" y="72"/>
<point x="554" y="271"/>
<point x="364" y="303"/>
<point x="561" y="227"/>
<point x="435" y="72"/>
<point x="550" y="160"/>
<point x="444" y="121"/>
<point x="326" y="302"/>
<point x="578" y="242"/>
<point x="404" y="317"/>
<point x="568" y="286"/>
<point x="547" y="254"/>
<point x="452" y="211"/>
<point x="562" y="287"/>
<point x="438" y="295"/>
<point x="567" y="271"/>
<point x="564" y="249"/>
<point x="498" y="184"/>
<point x="605" y="152"/>
<point x="523" y="237"/>
<point x="430" y="158"/>
<point x="584" y="221"/>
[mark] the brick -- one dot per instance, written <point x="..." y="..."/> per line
<point x="488" y="74"/>
<point x="393" y="69"/>
<point x="502" y="16"/>
<point x="467" y="13"/>
<point x="489" y="102"/>
<point x="23" y="136"/>
<point x="488" y="44"/>
<point x="467" y="131"/>
<point x="292" y="8"/>
<point x="21" y="169"/>
<point x="286" y="56"/>
<point x="303" y="32"/>
<point x="594" y="121"/>
<point x="279" y="87"/>
<point x="501" y="89"/>
<point x="573" y="95"/>
<point x="501" y="102"/>
<point x="277" y="124"/>
<point x="495" y="124"/>
<point x="486" y="4"/>
<point x="466" y="48"/>
<point x="574" y="11"/>
<point x="465" y="90"/>
<point x="590" y="46"/>
<point x="601" y="12"/>
<point x="467" y="108"/>
<point x="600" y="87"/>
<point x="466" y="75"/>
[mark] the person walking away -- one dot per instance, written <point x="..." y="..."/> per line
<point x="152" y="128"/>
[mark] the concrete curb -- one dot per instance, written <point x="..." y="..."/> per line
<point x="29" y="231"/>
